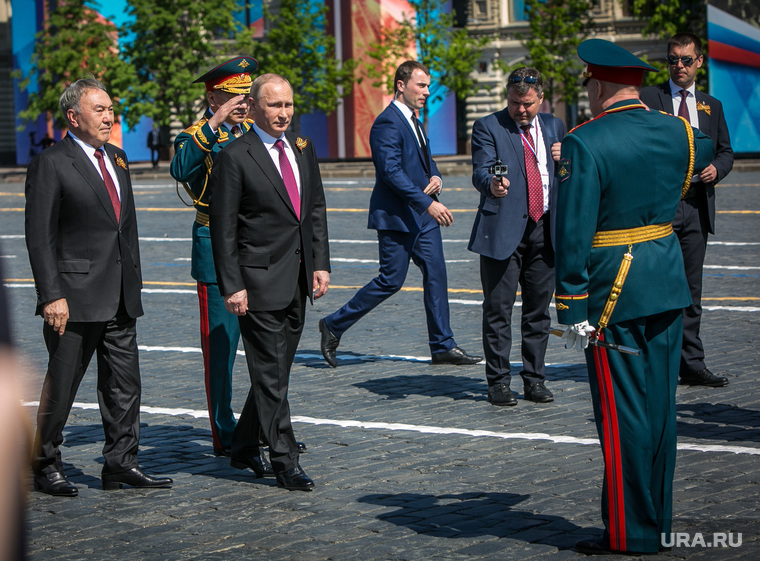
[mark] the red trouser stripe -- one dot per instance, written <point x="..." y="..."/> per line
<point x="205" y="347"/>
<point x="612" y="459"/>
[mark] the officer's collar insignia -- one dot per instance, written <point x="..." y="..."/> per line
<point x="703" y="107"/>
<point x="223" y="135"/>
<point x="121" y="163"/>
<point x="301" y="144"/>
<point x="564" y="169"/>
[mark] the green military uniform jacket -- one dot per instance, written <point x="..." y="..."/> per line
<point x="599" y="192"/>
<point x="195" y="150"/>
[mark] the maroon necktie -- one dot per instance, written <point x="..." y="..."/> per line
<point x="683" y="109"/>
<point x="110" y="187"/>
<point x="289" y="178"/>
<point x="535" y="185"/>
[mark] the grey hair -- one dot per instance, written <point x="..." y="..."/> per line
<point x="72" y="95"/>
<point x="259" y="82"/>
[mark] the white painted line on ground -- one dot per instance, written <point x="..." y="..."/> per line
<point x="733" y="243"/>
<point x="731" y="268"/>
<point x="424" y="429"/>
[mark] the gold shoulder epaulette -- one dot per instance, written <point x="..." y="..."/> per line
<point x="194" y="127"/>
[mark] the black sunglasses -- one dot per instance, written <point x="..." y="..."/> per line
<point x="526" y="79"/>
<point x="686" y="60"/>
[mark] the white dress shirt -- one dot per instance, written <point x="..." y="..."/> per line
<point x="90" y="152"/>
<point x="269" y="141"/>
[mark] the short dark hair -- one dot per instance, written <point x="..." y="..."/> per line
<point x="72" y="95"/>
<point x="520" y="86"/>
<point x="684" y="40"/>
<point x="404" y="72"/>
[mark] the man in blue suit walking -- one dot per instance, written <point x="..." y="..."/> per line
<point x="513" y="231"/>
<point x="405" y="211"/>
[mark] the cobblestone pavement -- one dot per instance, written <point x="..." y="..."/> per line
<point x="410" y="461"/>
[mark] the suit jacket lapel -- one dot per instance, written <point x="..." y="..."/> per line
<point x="512" y="132"/>
<point x="406" y="129"/>
<point x="122" y="176"/>
<point x="703" y="118"/>
<point x="86" y="168"/>
<point x="548" y="136"/>
<point x="263" y="160"/>
<point x="666" y="98"/>
<point x="303" y="168"/>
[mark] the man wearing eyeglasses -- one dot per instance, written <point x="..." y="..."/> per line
<point x="513" y="160"/>
<point x="696" y="212"/>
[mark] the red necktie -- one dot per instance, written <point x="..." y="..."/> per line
<point x="683" y="109"/>
<point x="110" y="187"/>
<point x="535" y="185"/>
<point x="289" y="178"/>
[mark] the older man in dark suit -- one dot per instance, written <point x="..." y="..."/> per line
<point x="81" y="233"/>
<point x="512" y="231"/>
<point x="269" y="239"/>
<point x="405" y="211"/>
<point x="696" y="212"/>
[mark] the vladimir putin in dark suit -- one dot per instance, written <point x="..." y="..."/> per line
<point x="81" y="234"/>
<point x="269" y="239"/>
<point x="695" y="218"/>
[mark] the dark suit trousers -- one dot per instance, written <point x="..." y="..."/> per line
<point x="119" y="389"/>
<point x="532" y="266"/>
<point x="691" y="225"/>
<point x="270" y="339"/>
<point x="396" y="249"/>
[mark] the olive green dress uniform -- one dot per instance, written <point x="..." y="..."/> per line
<point x="622" y="175"/>
<point x="195" y="150"/>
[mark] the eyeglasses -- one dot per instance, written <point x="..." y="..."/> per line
<point x="686" y="60"/>
<point x="526" y="79"/>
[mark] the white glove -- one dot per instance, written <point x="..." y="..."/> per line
<point x="578" y="334"/>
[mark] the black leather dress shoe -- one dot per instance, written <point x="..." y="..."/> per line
<point x="455" y="356"/>
<point x="328" y="344"/>
<point x="538" y="392"/>
<point x="54" y="483"/>
<point x="704" y="378"/>
<point x="258" y="464"/>
<point x="301" y="446"/>
<point x="222" y="452"/>
<point x="134" y="477"/>
<point x="500" y="394"/>
<point x="295" y="480"/>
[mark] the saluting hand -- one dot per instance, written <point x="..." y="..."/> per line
<point x="239" y="102"/>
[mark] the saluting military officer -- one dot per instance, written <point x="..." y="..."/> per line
<point x="228" y="88"/>
<point x="620" y="278"/>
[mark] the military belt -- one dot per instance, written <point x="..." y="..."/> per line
<point x="629" y="236"/>
<point x="201" y="218"/>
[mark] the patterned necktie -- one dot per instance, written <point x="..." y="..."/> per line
<point x="289" y="178"/>
<point x="683" y="109"/>
<point x="236" y="132"/>
<point x="535" y="185"/>
<point x="110" y="187"/>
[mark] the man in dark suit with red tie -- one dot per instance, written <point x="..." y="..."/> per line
<point x="513" y="231"/>
<point x="268" y="226"/>
<point x="696" y="212"/>
<point x="81" y="234"/>
<point x="405" y="211"/>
